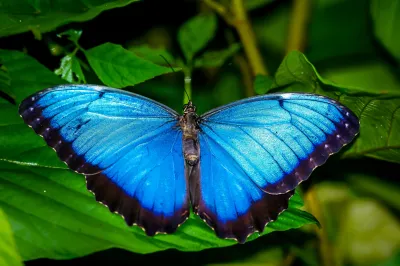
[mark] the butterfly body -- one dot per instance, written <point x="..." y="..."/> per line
<point x="236" y="166"/>
<point x="190" y="129"/>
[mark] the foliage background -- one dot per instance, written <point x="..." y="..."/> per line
<point x="351" y="53"/>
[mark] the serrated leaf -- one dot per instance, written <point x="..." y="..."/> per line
<point x="386" y="19"/>
<point x="154" y="55"/>
<point x="195" y="33"/>
<point x="27" y="75"/>
<point x="41" y="16"/>
<point x="70" y="69"/>
<point x="8" y="251"/>
<point x="117" y="67"/>
<point x="378" y="112"/>
<point x="216" y="58"/>
<point x="262" y="84"/>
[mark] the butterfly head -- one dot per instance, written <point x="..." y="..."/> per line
<point x="189" y="108"/>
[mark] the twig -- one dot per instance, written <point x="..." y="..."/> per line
<point x="298" y="25"/>
<point x="313" y="205"/>
<point x="220" y="10"/>
<point x="237" y="17"/>
<point x="248" y="38"/>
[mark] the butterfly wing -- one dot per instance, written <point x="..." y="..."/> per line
<point x="126" y="145"/>
<point x="254" y="152"/>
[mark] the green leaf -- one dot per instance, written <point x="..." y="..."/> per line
<point x="155" y="55"/>
<point x="254" y="4"/>
<point x="378" y="112"/>
<point x="216" y="58"/>
<point x="195" y="33"/>
<point x="117" y="67"/>
<point x="373" y="77"/>
<point x="386" y="18"/>
<point x="5" y="80"/>
<point x="27" y="75"/>
<point x="262" y="84"/>
<point x="70" y="69"/>
<point x="9" y="255"/>
<point x="43" y="16"/>
<point x="72" y="35"/>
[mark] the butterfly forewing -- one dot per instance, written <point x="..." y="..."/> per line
<point x="128" y="146"/>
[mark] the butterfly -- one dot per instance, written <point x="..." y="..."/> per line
<point x="235" y="166"/>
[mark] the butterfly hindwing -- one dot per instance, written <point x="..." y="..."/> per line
<point x="227" y="199"/>
<point x="255" y="152"/>
<point x="128" y="147"/>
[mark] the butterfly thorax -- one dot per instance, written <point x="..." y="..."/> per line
<point x="189" y="125"/>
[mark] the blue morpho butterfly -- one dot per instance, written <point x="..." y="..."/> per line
<point x="237" y="165"/>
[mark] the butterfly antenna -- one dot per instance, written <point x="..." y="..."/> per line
<point x="187" y="95"/>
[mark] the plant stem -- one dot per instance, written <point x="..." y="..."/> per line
<point x="298" y="25"/>
<point x="248" y="38"/>
<point x="188" y="84"/>
<point x="220" y="10"/>
<point x="237" y="17"/>
<point x="314" y="206"/>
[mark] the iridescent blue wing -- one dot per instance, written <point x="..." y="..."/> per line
<point x="254" y="152"/>
<point x="128" y="147"/>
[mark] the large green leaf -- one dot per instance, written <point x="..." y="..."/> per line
<point x="19" y="16"/>
<point x="9" y="255"/>
<point x="54" y="216"/>
<point x="378" y="112"/>
<point x="195" y="33"/>
<point x="27" y="75"/>
<point x="373" y="76"/>
<point x="386" y="17"/>
<point x="117" y="67"/>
